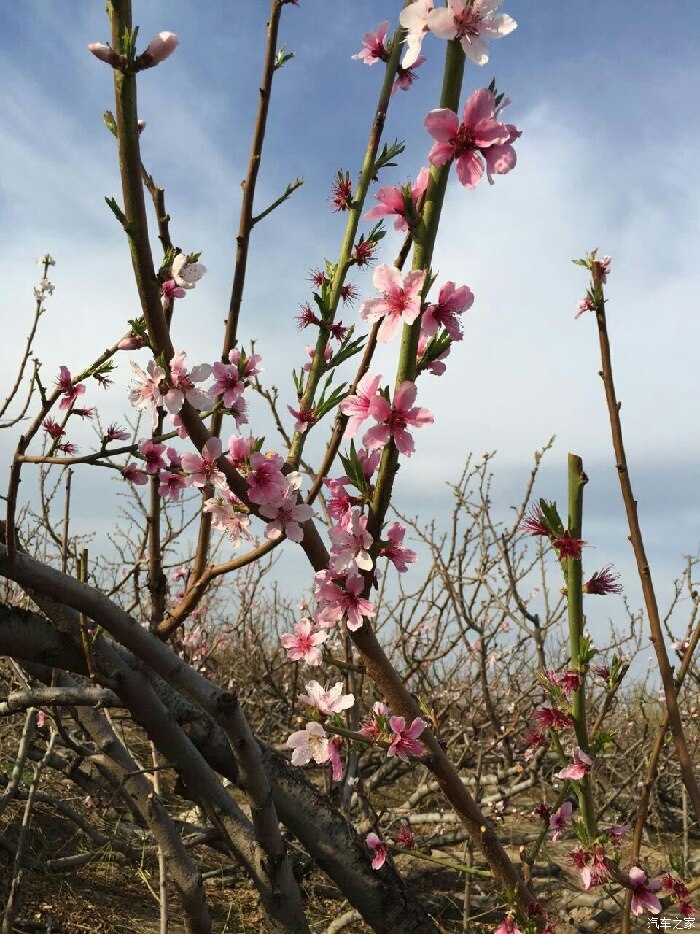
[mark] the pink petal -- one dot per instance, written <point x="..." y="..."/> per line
<point x="481" y="106"/>
<point x="441" y="23"/>
<point x="388" y="328"/>
<point x="386" y="278"/>
<point x="440" y="154"/>
<point x="376" y="437"/>
<point x="442" y="124"/>
<point x="469" y="169"/>
<point x="405" y="395"/>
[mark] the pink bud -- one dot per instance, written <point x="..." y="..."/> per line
<point x="105" y="53"/>
<point x="134" y="342"/>
<point x="159" y="48"/>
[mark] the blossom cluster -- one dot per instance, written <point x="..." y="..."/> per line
<point x="319" y="744"/>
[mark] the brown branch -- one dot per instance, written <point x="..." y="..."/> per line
<point x="650" y="601"/>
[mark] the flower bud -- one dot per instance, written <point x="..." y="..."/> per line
<point x="133" y="342"/>
<point x="158" y="49"/>
<point x="105" y="53"/>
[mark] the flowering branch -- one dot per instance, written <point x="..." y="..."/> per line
<point x="574" y="584"/>
<point x="367" y="173"/>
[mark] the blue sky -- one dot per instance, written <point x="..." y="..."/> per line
<point x="604" y="95"/>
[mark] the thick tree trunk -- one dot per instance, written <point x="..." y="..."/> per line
<point x="382" y="898"/>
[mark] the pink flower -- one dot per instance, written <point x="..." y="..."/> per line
<point x="311" y="351"/>
<point x="401" y="203"/>
<point x="643" y="898"/>
<point x="53" y="429"/>
<point x="266" y="483"/>
<point x="463" y="142"/>
<point x="604" y="582"/>
<point x="580" y="767"/>
<point x="171" y="485"/>
<point x="340" y="501"/>
<point x="533" y="521"/>
<point x="169" y="291"/>
<point x="202" y="468"/>
<point x="436" y="366"/>
<point x="84" y="412"/>
<point x="186" y="274"/>
<point x="70" y="392"/>
<point x="309" y="743"/>
<point x="341" y="192"/>
<point x="595" y="872"/>
<point x="146" y="393"/>
<point x="286" y="517"/>
<point x="227" y="516"/>
<point x="152" y="454"/>
<point x="238" y="451"/>
<point x="568" y="547"/>
<point x="303" y="644"/>
<point x="406" y="76"/>
<point x="357" y="406"/>
<point x="227" y="383"/>
<point x="604" y="264"/>
<point x="414" y="19"/>
<point x="508" y="926"/>
<point x="560" y="820"/>
<point x="115" y="433"/>
<point x="379" y="850"/>
<point x="584" y="305"/>
<point x="399" y="556"/>
<point x="404" y="742"/>
<point x="327" y="702"/>
<point x="351" y="544"/>
<point x="404" y="837"/>
<point x="369" y="460"/>
<point x="371" y="729"/>
<point x="400" y="301"/>
<point x="345" y="603"/>
<point x="248" y="366"/>
<point x="182" y="385"/>
<point x="375" y="46"/>
<point x="335" y="744"/>
<point x="132" y="473"/>
<point x="471" y="21"/>
<point x="452" y="301"/>
<point x="174" y="458"/>
<point x="304" y="418"/>
<point x="159" y="48"/>
<point x="394" y="419"/>
<point x="548" y="718"/>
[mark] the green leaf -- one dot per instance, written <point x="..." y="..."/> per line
<point x="587" y="650"/>
<point x="138" y="326"/>
<point x="347" y="349"/>
<point x="118" y="213"/>
<point x="353" y="468"/>
<point x="551" y="519"/>
<point x="110" y="122"/>
<point x="388" y="153"/>
<point x="326" y="405"/>
<point x="282" y="57"/>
